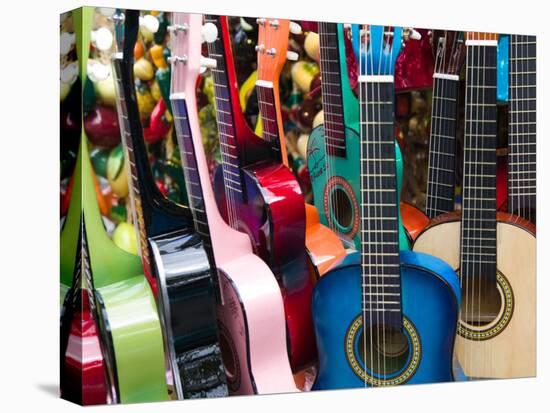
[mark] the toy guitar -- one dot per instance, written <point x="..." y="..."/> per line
<point x="450" y="54"/>
<point x="250" y="313"/>
<point x="392" y="319"/>
<point x="170" y="247"/>
<point x="260" y="196"/>
<point x="124" y="305"/>
<point x="493" y="252"/>
<point x="522" y="131"/>
<point x="333" y="148"/>
<point x="410" y="217"/>
<point x="83" y="372"/>
<point x="323" y="246"/>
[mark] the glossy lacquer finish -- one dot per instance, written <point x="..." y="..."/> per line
<point x="170" y="248"/>
<point x="250" y="312"/>
<point x="431" y="301"/>
<point x="125" y="308"/>
<point x="267" y="203"/>
<point x="83" y="369"/>
<point x="189" y="319"/>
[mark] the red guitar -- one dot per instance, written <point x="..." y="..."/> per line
<point x="83" y="375"/>
<point x="259" y="195"/>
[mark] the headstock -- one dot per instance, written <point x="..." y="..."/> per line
<point x="481" y="36"/>
<point x="377" y="48"/>
<point x="450" y="53"/>
<point x="272" y="47"/>
<point x="187" y="33"/>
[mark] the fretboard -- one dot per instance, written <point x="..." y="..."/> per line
<point x="331" y="87"/>
<point x="229" y="149"/>
<point x="379" y="224"/>
<point x="268" y="113"/>
<point x="140" y="172"/>
<point x="522" y="126"/>
<point x="478" y="240"/>
<point x="441" y="161"/>
<point x="190" y="169"/>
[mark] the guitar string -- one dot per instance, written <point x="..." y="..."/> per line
<point x="218" y="83"/>
<point x="323" y="34"/>
<point x="387" y="68"/>
<point x="432" y="177"/>
<point x="466" y="178"/>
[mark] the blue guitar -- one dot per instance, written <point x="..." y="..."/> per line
<point x="392" y="319"/>
<point x="333" y="148"/>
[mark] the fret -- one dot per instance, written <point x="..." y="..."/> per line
<point x="231" y="161"/>
<point x="478" y="228"/>
<point x="441" y="155"/>
<point x="379" y="223"/>
<point x="440" y="168"/>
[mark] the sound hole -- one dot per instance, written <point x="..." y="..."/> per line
<point x="481" y="305"/>
<point x="228" y="358"/>
<point x="384" y="350"/>
<point x="342" y="208"/>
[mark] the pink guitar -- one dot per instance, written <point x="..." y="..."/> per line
<point x="250" y="311"/>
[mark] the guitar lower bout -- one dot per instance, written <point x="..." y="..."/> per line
<point x="500" y="343"/>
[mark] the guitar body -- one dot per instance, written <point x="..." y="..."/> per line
<point x="333" y="176"/>
<point x="431" y="325"/>
<point x="274" y="219"/>
<point x="414" y="220"/>
<point x="128" y="321"/>
<point x="184" y="275"/>
<point x="510" y="349"/>
<point x="252" y="329"/>
<point x="83" y="368"/>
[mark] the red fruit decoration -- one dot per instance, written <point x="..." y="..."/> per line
<point x="158" y="124"/>
<point x="414" y="67"/>
<point x="162" y="188"/>
<point x="101" y="125"/>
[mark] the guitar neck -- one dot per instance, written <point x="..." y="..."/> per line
<point x="379" y="218"/>
<point x="191" y="170"/>
<point x="226" y="112"/>
<point x="270" y="113"/>
<point x="441" y="158"/>
<point x="478" y="240"/>
<point x="331" y="87"/>
<point x="154" y="215"/>
<point x="522" y="126"/>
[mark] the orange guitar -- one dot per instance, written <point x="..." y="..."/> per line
<point x="323" y="245"/>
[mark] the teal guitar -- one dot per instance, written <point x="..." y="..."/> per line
<point x="392" y="319"/>
<point x="333" y="148"/>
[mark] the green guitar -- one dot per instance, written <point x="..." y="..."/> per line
<point x="124" y="304"/>
<point x="333" y="149"/>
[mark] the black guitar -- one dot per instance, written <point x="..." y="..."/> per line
<point x="171" y="250"/>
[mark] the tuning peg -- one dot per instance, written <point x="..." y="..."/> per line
<point x="102" y="38"/>
<point x="69" y="73"/>
<point x="177" y="59"/>
<point x="106" y="11"/>
<point x="292" y="56"/>
<point x="208" y="63"/>
<point x="178" y="28"/>
<point x="209" y="32"/>
<point x="67" y="41"/>
<point x="412" y="34"/>
<point x="259" y="48"/>
<point x="97" y="71"/>
<point x="149" y="22"/>
<point x="295" y="28"/>
<point x="260" y="21"/>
